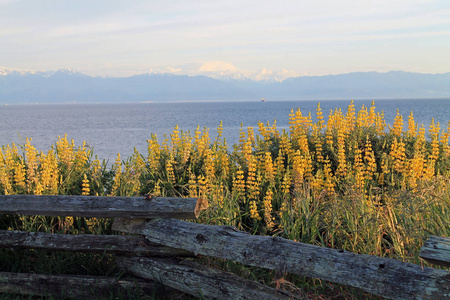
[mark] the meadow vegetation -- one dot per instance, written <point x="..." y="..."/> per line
<point x="348" y="181"/>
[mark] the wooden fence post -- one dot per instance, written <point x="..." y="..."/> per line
<point x="380" y="276"/>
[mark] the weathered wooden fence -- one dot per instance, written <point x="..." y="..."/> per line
<point x="156" y="253"/>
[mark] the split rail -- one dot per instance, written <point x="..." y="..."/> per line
<point x="162" y="246"/>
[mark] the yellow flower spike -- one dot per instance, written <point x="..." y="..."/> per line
<point x="444" y="142"/>
<point x="358" y="169"/>
<point x="32" y="165"/>
<point x="254" y="211"/>
<point x="193" y="188"/>
<point x="298" y="170"/>
<point x="85" y="186"/>
<point x="209" y="165"/>
<point x="154" y="154"/>
<point x="369" y="159"/>
<point x="19" y="173"/>
<point x="329" y="129"/>
<point x="318" y="143"/>
<point x="117" y="168"/>
<point x="274" y="129"/>
<point x="350" y="117"/>
<point x="268" y="218"/>
<point x="279" y="164"/>
<point x="303" y="143"/>
<point x="239" y="184"/>
<point x="4" y="177"/>
<point x="372" y="116"/>
<point x="220" y="130"/>
<point x="328" y="176"/>
<point x="319" y="116"/>
<point x="412" y="126"/>
<point x="175" y="140"/>
<point x="262" y="130"/>
<point x="247" y="150"/>
<point x="252" y="185"/>
<point x="362" y="117"/>
<point x="269" y="171"/>
<point x="285" y="145"/>
<point x="434" y="132"/>
<point x="397" y="128"/>
<point x="342" y="161"/>
<point x="286" y="185"/>
<point x="49" y="173"/>
<point x="169" y="171"/>
<point x="380" y="124"/>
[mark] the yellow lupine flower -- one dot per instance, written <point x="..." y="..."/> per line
<point x="398" y="155"/>
<point x="252" y="183"/>
<point x="285" y="145"/>
<point x="254" y="211"/>
<point x="319" y="117"/>
<point x="204" y="186"/>
<point x="412" y="126"/>
<point x="371" y="119"/>
<point x="279" y="163"/>
<point x="85" y="186"/>
<point x="154" y="154"/>
<point x="328" y="176"/>
<point x="49" y="172"/>
<point x="209" y="165"/>
<point x="4" y="177"/>
<point x="434" y="132"/>
<point x="350" y="117"/>
<point x="263" y="131"/>
<point x="318" y="143"/>
<point x="64" y="151"/>
<point x="19" y="174"/>
<point x="369" y="159"/>
<point x="32" y="164"/>
<point x="117" y="168"/>
<point x="169" y="171"/>
<point x="192" y="185"/>
<point x="268" y="218"/>
<point x="380" y="124"/>
<point x="362" y="117"/>
<point x="358" y="169"/>
<point x="397" y="128"/>
<point x="298" y="169"/>
<point x="239" y="184"/>
<point x="342" y="162"/>
<point x="269" y="170"/>
<point x="247" y="149"/>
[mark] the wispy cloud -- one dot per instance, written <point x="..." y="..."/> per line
<point x="306" y="36"/>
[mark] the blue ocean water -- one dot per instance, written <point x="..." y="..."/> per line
<point x="118" y="128"/>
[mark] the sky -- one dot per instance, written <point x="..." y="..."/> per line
<point x="254" y="38"/>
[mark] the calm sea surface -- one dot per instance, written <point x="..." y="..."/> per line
<point x="118" y="128"/>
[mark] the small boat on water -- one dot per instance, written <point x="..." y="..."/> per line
<point x="263" y="100"/>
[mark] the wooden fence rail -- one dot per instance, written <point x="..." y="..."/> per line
<point x="160" y="243"/>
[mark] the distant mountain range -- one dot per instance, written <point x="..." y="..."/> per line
<point x="66" y="86"/>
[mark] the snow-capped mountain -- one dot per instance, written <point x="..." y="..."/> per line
<point x="66" y="85"/>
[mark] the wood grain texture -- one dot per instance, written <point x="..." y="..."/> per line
<point x="436" y="250"/>
<point x="200" y="281"/>
<point x="124" y="245"/>
<point x="102" y="207"/>
<point x="380" y="276"/>
<point x="75" y="287"/>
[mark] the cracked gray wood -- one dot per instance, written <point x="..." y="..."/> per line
<point x="380" y="276"/>
<point x="71" y="286"/>
<point x="200" y="281"/>
<point x="102" y="207"/>
<point x="125" y="245"/>
<point x="436" y="250"/>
